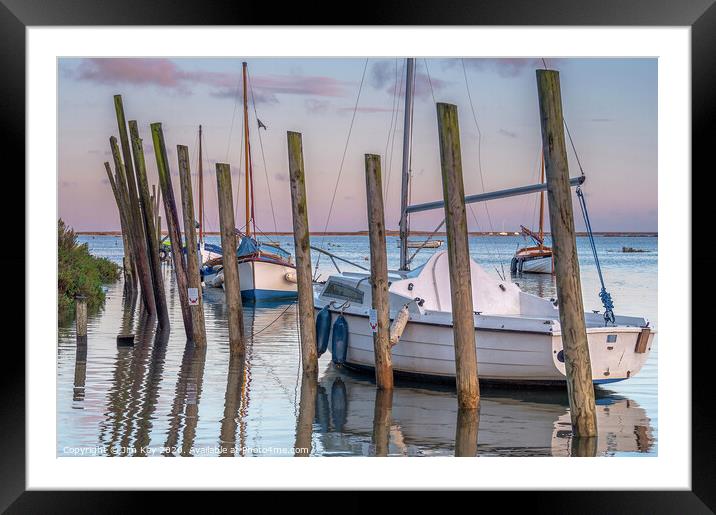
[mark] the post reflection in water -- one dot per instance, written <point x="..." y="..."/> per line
<point x="306" y="414"/>
<point x="232" y="404"/>
<point x="382" y="418"/>
<point x="468" y="422"/>
<point x="78" y="391"/>
<point x="185" y="408"/>
<point x="583" y="447"/>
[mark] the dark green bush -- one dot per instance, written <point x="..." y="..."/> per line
<point x="79" y="272"/>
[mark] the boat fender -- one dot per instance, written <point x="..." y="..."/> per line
<point x="323" y="330"/>
<point x="398" y="325"/>
<point x="291" y="277"/>
<point x="339" y="343"/>
<point x="339" y="404"/>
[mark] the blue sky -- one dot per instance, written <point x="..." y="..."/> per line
<point x="610" y="106"/>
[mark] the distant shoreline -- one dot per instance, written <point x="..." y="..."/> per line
<point x="613" y="234"/>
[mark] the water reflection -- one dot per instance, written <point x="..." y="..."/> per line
<point x="542" y="285"/>
<point x="232" y="404"/>
<point x="427" y="421"/>
<point x="78" y="391"/>
<point x="306" y="414"/>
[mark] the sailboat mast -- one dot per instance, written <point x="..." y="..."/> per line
<point x="201" y="193"/>
<point x="247" y="162"/>
<point x="407" y="138"/>
<point x="541" y="208"/>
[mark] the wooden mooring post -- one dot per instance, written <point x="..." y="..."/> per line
<point x="137" y="218"/>
<point x="468" y="388"/>
<point x="302" y="241"/>
<point x="580" y="388"/>
<point x="192" y="252"/>
<point x="378" y="273"/>
<point x="170" y="210"/>
<point x="130" y="280"/>
<point x="232" y="286"/>
<point x="81" y="319"/>
<point x="148" y="216"/>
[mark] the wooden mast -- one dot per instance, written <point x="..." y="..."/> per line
<point x="201" y="193"/>
<point x="247" y="157"/>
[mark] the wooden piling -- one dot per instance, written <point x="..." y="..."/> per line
<point x="232" y="286"/>
<point x="580" y="388"/>
<point x="170" y="210"/>
<point x="148" y="216"/>
<point x="192" y="252"/>
<point x="466" y="431"/>
<point x="301" y="238"/>
<point x="378" y="273"/>
<point x="137" y="218"/>
<point x="130" y="280"/>
<point x="81" y="318"/>
<point x="468" y="388"/>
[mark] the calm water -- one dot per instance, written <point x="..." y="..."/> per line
<point x="162" y="397"/>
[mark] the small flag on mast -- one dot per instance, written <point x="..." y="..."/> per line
<point x="261" y="124"/>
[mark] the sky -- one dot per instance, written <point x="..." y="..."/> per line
<point x="346" y="108"/>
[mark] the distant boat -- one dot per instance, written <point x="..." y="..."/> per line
<point x="536" y="259"/>
<point x="266" y="271"/>
<point x="427" y="244"/>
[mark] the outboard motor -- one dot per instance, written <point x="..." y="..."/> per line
<point x="339" y="347"/>
<point x="323" y="330"/>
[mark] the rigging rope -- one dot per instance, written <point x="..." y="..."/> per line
<point x="603" y="294"/>
<point x="340" y="169"/>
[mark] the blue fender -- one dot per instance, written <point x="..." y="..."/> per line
<point x="323" y="330"/>
<point x="339" y="347"/>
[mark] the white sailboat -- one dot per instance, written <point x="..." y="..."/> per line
<point x="266" y="271"/>
<point x="518" y="336"/>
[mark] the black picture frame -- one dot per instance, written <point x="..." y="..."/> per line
<point x="16" y="15"/>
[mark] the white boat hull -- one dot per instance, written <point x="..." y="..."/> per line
<point x="263" y="280"/>
<point x="537" y="266"/>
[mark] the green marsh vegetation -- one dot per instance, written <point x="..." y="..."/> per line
<point x="79" y="272"/>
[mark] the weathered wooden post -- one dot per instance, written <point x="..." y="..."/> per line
<point x="149" y="229"/>
<point x="468" y="388"/>
<point x="130" y="280"/>
<point x="170" y="210"/>
<point x="145" y="275"/>
<point x="81" y="319"/>
<point x="382" y="418"/>
<point x="306" y="414"/>
<point x="302" y="241"/>
<point x="466" y="430"/>
<point x="378" y="273"/>
<point x="192" y="257"/>
<point x="580" y="388"/>
<point x="232" y="286"/>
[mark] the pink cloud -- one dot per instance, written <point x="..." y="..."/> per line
<point x="165" y="73"/>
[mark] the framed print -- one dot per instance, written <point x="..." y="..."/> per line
<point x="445" y="249"/>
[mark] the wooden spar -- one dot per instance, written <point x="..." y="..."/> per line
<point x="201" y="192"/>
<point x="378" y="272"/>
<point x="157" y="199"/>
<point x="468" y="389"/>
<point x="130" y="281"/>
<point x="580" y="388"/>
<point x="170" y="211"/>
<point x="140" y="258"/>
<point x="382" y="418"/>
<point x="137" y="217"/>
<point x="247" y="154"/>
<point x="302" y="243"/>
<point x="232" y="286"/>
<point x="192" y="255"/>
<point x="466" y="430"/>
<point x="147" y="205"/>
<point x="306" y="414"/>
<point x="81" y="318"/>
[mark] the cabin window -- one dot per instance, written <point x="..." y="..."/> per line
<point x="344" y="292"/>
<point x="611" y="338"/>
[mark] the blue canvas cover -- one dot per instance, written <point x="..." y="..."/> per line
<point x="251" y="246"/>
